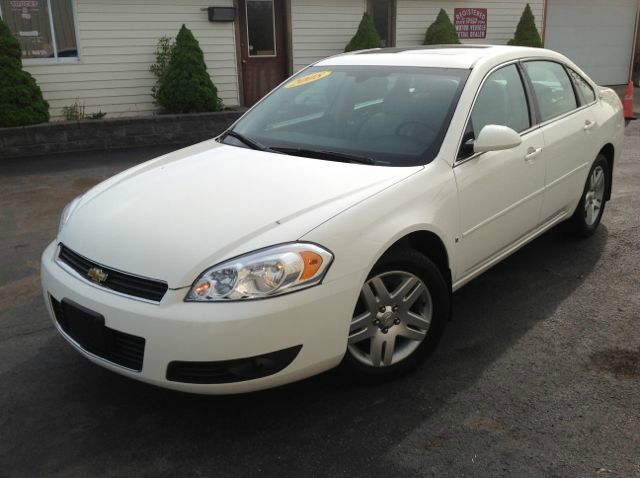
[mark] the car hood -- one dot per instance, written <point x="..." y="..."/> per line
<point x="173" y="217"/>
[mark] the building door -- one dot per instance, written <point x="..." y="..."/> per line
<point x="597" y="35"/>
<point x="263" y="47"/>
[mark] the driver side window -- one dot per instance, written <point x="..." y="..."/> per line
<point x="502" y="101"/>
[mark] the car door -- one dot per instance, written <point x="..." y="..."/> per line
<point x="500" y="192"/>
<point x="567" y="123"/>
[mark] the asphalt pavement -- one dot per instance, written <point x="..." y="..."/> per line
<point x="538" y="374"/>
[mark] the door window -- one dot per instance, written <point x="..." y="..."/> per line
<point x="502" y="101"/>
<point x="261" y="28"/>
<point x="552" y="87"/>
<point x="587" y="93"/>
<point x="383" y="12"/>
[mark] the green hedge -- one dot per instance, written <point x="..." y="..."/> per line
<point x="441" y="32"/>
<point x="21" y="101"/>
<point x="366" y="37"/>
<point x="526" y="31"/>
<point x="185" y="86"/>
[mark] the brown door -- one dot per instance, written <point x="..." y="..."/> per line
<point x="263" y="47"/>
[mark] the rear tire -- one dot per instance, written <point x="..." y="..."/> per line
<point x="398" y="319"/>
<point x="587" y="216"/>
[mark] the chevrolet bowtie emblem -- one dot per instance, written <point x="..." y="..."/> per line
<point x="97" y="275"/>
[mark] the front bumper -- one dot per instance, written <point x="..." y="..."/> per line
<point x="176" y="331"/>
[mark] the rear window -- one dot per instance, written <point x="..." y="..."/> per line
<point x="584" y="88"/>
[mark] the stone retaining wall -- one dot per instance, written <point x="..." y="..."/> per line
<point x="64" y="137"/>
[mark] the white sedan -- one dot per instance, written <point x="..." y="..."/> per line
<point x="330" y="225"/>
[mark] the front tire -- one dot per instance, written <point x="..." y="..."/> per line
<point x="398" y="319"/>
<point x="587" y="216"/>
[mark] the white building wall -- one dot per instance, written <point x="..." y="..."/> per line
<point x="415" y="16"/>
<point x="322" y="28"/>
<point x="117" y="40"/>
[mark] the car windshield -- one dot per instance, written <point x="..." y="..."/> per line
<point x="382" y="115"/>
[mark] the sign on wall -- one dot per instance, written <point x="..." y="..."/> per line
<point x="470" y="23"/>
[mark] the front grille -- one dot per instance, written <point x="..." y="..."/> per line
<point x="115" y="346"/>
<point x="122" y="282"/>
<point x="230" y="371"/>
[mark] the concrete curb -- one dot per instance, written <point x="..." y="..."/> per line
<point x="65" y="137"/>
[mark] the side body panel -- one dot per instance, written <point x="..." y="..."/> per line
<point x="500" y="199"/>
<point x="426" y="201"/>
<point x="571" y="147"/>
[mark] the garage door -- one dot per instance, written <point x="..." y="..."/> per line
<point x="596" y="34"/>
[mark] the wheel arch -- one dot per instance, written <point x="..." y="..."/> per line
<point x="608" y="151"/>
<point x="429" y="244"/>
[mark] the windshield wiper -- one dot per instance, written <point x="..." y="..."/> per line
<point x="252" y="143"/>
<point x="328" y="155"/>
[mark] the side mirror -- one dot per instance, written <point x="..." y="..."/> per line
<point x="496" y="138"/>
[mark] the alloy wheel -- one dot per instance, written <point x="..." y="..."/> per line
<point x="594" y="195"/>
<point x="391" y="319"/>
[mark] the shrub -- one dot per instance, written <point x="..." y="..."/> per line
<point x="21" y="101"/>
<point x="526" y="31"/>
<point x="75" y="112"/>
<point x="96" y="115"/>
<point x="185" y="86"/>
<point x="442" y="31"/>
<point x="163" y="55"/>
<point x="366" y="36"/>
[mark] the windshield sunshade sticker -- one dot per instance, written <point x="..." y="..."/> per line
<point x="303" y="80"/>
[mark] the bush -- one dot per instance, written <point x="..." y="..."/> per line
<point x="366" y="36"/>
<point x="442" y="31"/>
<point x="21" y="101"/>
<point x="75" y="112"/>
<point x="96" y="115"/>
<point x="185" y="86"/>
<point x="526" y="31"/>
<point x="163" y="55"/>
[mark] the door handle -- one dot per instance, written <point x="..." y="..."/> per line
<point x="588" y="125"/>
<point x="532" y="153"/>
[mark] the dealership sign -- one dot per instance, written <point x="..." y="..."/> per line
<point x="470" y="23"/>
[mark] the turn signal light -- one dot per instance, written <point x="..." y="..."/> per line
<point x="312" y="263"/>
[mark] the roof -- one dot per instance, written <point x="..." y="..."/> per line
<point x="443" y="56"/>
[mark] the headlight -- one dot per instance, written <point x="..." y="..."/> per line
<point x="273" y="271"/>
<point x="67" y="212"/>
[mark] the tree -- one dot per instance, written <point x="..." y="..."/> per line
<point x="526" y="31"/>
<point x="442" y="31"/>
<point x="163" y="55"/>
<point x="185" y="85"/>
<point x="21" y="101"/>
<point x="366" y="36"/>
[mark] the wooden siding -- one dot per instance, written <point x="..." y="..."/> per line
<point x="322" y="28"/>
<point x="415" y="16"/>
<point x="117" y="40"/>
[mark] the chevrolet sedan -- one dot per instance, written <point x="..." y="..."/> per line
<point x="331" y="224"/>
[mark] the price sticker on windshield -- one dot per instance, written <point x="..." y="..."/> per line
<point x="303" y="80"/>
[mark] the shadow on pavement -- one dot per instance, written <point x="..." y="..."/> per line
<point x="72" y="418"/>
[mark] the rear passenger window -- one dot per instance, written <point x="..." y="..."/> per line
<point x="587" y="93"/>
<point x="501" y="101"/>
<point x="553" y="88"/>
